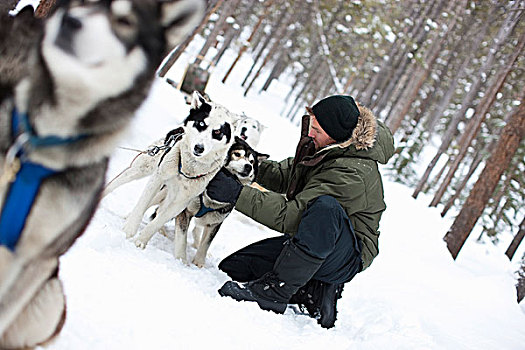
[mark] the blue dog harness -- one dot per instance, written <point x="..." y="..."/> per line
<point x="203" y="209"/>
<point x="26" y="183"/>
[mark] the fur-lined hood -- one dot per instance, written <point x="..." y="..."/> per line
<point x="371" y="138"/>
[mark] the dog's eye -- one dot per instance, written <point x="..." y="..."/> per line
<point x="253" y="126"/>
<point x="237" y="154"/>
<point x="202" y="124"/>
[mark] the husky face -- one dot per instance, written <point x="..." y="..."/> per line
<point x="243" y="161"/>
<point x="99" y="49"/>
<point x="250" y="130"/>
<point x="96" y="32"/>
<point x="209" y="126"/>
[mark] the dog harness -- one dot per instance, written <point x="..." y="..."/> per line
<point x="26" y="177"/>
<point x="204" y="209"/>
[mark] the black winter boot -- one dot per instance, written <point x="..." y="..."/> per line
<point x="292" y="269"/>
<point x="320" y="301"/>
<point x="328" y="306"/>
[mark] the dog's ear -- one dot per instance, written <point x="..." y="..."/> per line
<point x="242" y="142"/>
<point x="236" y="120"/>
<point x="197" y="100"/>
<point x="261" y="157"/>
<point x="179" y="17"/>
<point x="261" y="126"/>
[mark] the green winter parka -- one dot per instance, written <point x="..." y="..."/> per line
<point x="347" y="171"/>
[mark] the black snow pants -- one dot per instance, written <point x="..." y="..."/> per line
<point x="325" y="232"/>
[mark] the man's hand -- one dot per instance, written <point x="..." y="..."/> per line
<point x="224" y="187"/>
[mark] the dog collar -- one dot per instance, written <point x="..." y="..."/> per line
<point x="187" y="176"/>
<point x="20" y="124"/>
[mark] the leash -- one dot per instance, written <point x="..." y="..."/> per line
<point x="131" y="149"/>
<point x="24" y="177"/>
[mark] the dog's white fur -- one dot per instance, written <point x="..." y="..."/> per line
<point x="180" y="189"/>
<point x="63" y="97"/>
<point x="243" y="163"/>
<point x="250" y="130"/>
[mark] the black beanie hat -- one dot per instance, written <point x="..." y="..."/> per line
<point x="337" y="115"/>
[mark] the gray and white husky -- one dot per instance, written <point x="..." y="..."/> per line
<point x="87" y="74"/>
<point x="208" y="214"/>
<point x="182" y="172"/>
<point x="250" y="130"/>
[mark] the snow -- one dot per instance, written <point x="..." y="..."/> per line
<point x="414" y="296"/>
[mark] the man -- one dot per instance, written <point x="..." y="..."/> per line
<point x="330" y="212"/>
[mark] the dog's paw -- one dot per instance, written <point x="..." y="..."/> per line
<point x="198" y="262"/>
<point x="140" y="243"/>
<point x="182" y="258"/>
<point x="128" y="231"/>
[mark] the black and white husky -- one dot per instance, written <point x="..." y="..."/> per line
<point x="182" y="172"/>
<point x="241" y="160"/>
<point x="87" y="74"/>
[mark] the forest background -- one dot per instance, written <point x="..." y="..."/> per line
<point x="446" y="76"/>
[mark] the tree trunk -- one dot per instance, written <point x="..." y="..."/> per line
<point x="400" y="110"/>
<point x="387" y="65"/>
<point x="499" y="201"/>
<point x="281" y="36"/>
<point x="477" y="119"/>
<point x="44" y="8"/>
<point x="248" y="42"/>
<point x="226" y="11"/>
<point x="503" y="33"/>
<point x="277" y="70"/>
<point x="266" y="42"/>
<point x="405" y="60"/>
<point x="475" y="163"/>
<point x="358" y="68"/>
<point x="499" y="160"/>
<point x="472" y="48"/>
<point x="175" y="54"/>
<point x="511" y="250"/>
<point x="520" y="287"/>
<point x="228" y="38"/>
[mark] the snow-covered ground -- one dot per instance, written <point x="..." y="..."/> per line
<point x="414" y="296"/>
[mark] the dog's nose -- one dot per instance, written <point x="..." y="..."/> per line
<point x="71" y="23"/>
<point x="247" y="168"/>
<point x="243" y="130"/>
<point x="198" y="149"/>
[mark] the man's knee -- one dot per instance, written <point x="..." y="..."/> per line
<point x="324" y="204"/>
<point x="320" y="226"/>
